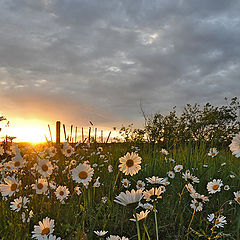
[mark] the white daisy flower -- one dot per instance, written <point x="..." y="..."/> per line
<point x="104" y="199"/>
<point x="140" y="185"/>
<point x="226" y="187"/>
<point x="19" y="203"/>
<point x="126" y="183"/>
<point x="235" y="146"/>
<point x="140" y="216"/>
<point x="214" y="186"/>
<point x="171" y="174"/>
<point x="11" y="186"/>
<point x="41" y="186"/>
<point x="46" y="227"/>
<point x="101" y="233"/>
<point x="110" y="168"/>
<point x="82" y="174"/>
<point x="189" y="177"/>
<point x="196" y="205"/>
<point x="128" y="198"/>
<point x="220" y="221"/>
<point x="17" y="161"/>
<point x="210" y="217"/>
<point x="68" y="151"/>
<point x="237" y="196"/>
<point x="97" y="183"/>
<point x="153" y="194"/>
<point x="178" y="168"/>
<point x="44" y="167"/>
<point x="130" y="164"/>
<point x="77" y="190"/>
<point x="52" y="151"/>
<point x="164" y="151"/>
<point x="212" y="152"/>
<point x="62" y="193"/>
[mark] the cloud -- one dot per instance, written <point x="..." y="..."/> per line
<point x="97" y="59"/>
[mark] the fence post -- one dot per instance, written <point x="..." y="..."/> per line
<point x="58" y="125"/>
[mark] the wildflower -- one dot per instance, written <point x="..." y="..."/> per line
<point x="214" y="186"/>
<point x="82" y="173"/>
<point x="19" y="203"/>
<point x="210" y="217"/>
<point x="140" y="185"/>
<point x="110" y="168"/>
<point x="130" y="164"/>
<point x="171" y="174"/>
<point x="62" y="193"/>
<point x="237" y="196"/>
<point x="153" y="194"/>
<point x="189" y="177"/>
<point x="232" y="176"/>
<point x="101" y="233"/>
<point x="46" y="227"/>
<point x="99" y="149"/>
<point x="126" y="183"/>
<point x="226" y="187"/>
<point x="178" y="168"/>
<point x="205" y="165"/>
<point x="77" y="190"/>
<point x="128" y="198"/>
<point x="17" y="161"/>
<point x="10" y="187"/>
<point x="196" y="205"/>
<point x="235" y="146"/>
<point x="52" y="151"/>
<point x="50" y="237"/>
<point x="44" y="167"/>
<point x="147" y="206"/>
<point x="97" y="183"/>
<point x="213" y="152"/>
<point x="158" y="180"/>
<point x="164" y="151"/>
<point x="52" y="185"/>
<point x="116" y="237"/>
<point x="40" y="186"/>
<point x="67" y="150"/>
<point x="220" y="221"/>
<point x="1" y="150"/>
<point x="140" y="216"/>
<point x="190" y="188"/>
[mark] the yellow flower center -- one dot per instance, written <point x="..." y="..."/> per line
<point x="61" y="193"/>
<point x="39" y="185"/>
<point x="213" y="153"/>
<point x="238" y="200"/>
<point x="13" y="187"/>
<point x="45" y="231"/>
<point x="217" y="222"/>
<point x="129" y="163"/>
<point x="83" y="175"/>
<point x="44" y="167"/>
<point x="140" y="185"/>
<point x="17" y="164"/>
<point x="215" y="187"/>
<point x="69" y="151"/>
<point x="19" y="204"/>
<point x="53" y="151"/>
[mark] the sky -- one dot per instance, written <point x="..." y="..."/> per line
<point x="94" y="60"/>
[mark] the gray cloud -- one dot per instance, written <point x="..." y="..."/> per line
<point x="97" y="59"/>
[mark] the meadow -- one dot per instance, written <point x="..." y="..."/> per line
<point x="119" y="191"/>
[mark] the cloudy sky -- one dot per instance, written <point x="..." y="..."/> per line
<point x="81" y="60"/>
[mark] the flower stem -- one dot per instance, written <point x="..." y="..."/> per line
<point x="137" y="224"/>
<point x="190" y="224"/>
<point x="145" y="228"/>
<point x="156" y="223"/>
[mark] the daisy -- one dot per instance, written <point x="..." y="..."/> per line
<point x="104" y="199"/>
<point x="97" y="183"/>
<point x="52" y="151"/>
<point x="126" y="183"/>
<point x="198" y="206"/>
<point x="50" y="237"/>
<point x="190" y="188"/>
<point x="40" y="186"/>
<point x="213" y="152"/>
<point x="10" y="187"/>
<point x="237" y="196"/>
<point x="130" y="164"/>
<point x="19" y="203"/>
<point x="226" y="187"/>
<point x="147" y="206"/>
<point x="235" y="146"/>
<point x="157" y="180"/>
<point x="220" y="221"/>
<point x="189" y="177"/>
<point x="210" y="217"/>
<point x="140" y="185"/>
<point x="62" y="193"/>
<point x="128" y="198"/>
<point x="99" y="149"/>
<point x="110" y="168"/>
<point x="116" y="237"/>
<point x="68" y="151"/>
<point x="171" y="174"/>
<point x="164" y="151"/>
<point x="101" y="233"/>
<point x="46" y="227"/>
<point x="214" y="186"/>
<point x="17" y="161"/>
<point x="140" y="216"/>
<point x="1" y="150"/>
<point x="77" y="190"/>
<point x="178" y="168"/>
<point x="82" y="173"/>
<point x="153" y="194"/>
<point x="44" y="167"/>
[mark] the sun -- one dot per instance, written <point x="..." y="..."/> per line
<point x="33" y="130"/>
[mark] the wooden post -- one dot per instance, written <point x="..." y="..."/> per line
<point x="76" y="135"/>
<point x="50" y="133"/>
<point x="82" y="135"/>
<point x="71" y="134"/>
<point x="101" y="136"/>
<point x="89" y="135"/>
<point x="108" y="136"/>
<point x="58" y="125"/>
<point x="95" y="134"/>
<point x="64" y="129"/>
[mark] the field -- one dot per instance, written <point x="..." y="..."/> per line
<point x="75" y="191"/>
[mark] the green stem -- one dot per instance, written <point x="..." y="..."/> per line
<point x="156" y="223"/>
<point x="190" y="224"/>
<point x="138" y="229"/>
<point x="145" y="228"/>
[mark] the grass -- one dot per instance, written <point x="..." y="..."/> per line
<point x="84" y="213"/>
